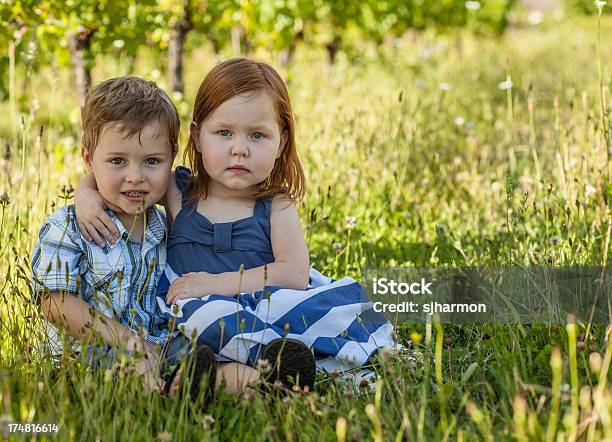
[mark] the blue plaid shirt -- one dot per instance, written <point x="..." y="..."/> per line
<point x="118" y="280"/>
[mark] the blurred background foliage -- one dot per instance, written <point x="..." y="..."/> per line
<point x="78" y="33"/>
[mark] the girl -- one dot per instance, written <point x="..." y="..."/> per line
<point x="234" y="228"/>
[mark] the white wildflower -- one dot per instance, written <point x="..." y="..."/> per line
<point x="351" y="222"/>
<point x="535" y="18"/>
<point x="445" y="86"/>
<point x="337" y="245"/>
<point x="599" y="4"/>
<point x="459" y="121"/>
<point x="262" y="366"/>
<point x="472" y="5"/>
<point x="118" y="44"/>
<point x="504" y="85"/>
<point x="589" y="191"/>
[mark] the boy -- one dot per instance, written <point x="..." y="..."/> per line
<point x="130" y="133"/>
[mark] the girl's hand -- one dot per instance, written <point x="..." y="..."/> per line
<point x="192" y="285"/>
<point x="93" y="221"/>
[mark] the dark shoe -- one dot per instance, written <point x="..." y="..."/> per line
<point x="201" y="362"/>
<point x="290" y="362"/>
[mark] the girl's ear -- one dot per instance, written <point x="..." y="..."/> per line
<point x="195" y="135"/>
<point x="88" y="159"/>
<point x="283" y="142"/>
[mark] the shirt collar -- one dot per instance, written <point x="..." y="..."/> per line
<point x="155" y="230"/>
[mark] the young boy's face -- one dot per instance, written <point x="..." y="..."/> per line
<point x="130" y="170"/>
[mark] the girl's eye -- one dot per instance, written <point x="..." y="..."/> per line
<point x="224" y="132"/>
<point x="152" y="161"/>
<point x="257" y="135"/>
<point x="116" y="161"/>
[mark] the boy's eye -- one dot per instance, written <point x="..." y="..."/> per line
<point x="257" y="135"/>
<point x="224" y="132"/>
<point x="116" y="161"/>
<point x="152" y="161"/>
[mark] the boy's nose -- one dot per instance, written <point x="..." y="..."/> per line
<point x="134" y="175"/>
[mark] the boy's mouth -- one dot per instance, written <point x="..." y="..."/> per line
<point x="134" y="195"/>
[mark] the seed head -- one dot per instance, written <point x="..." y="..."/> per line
<point x="4" y="200"/>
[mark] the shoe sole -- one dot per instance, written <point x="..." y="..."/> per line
<point x="200" y="362"/>
<point x="291" y="361"/>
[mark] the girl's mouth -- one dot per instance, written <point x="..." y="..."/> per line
<point x="238" y="169"/>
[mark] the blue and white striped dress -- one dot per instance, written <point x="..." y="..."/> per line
<point x="334" y="318"/>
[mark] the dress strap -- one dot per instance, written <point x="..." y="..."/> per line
<point x="263" y="207"/>
<point x="183" y="178"/>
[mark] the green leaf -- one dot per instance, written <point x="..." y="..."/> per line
<point x="467" y="374"/>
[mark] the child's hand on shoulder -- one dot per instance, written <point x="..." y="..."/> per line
<point x="191" y="285"/>
<point x="90" y="210"/>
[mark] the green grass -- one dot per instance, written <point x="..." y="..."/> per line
<point x="439" y="166"/>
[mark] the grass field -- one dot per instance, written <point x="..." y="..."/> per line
<point x="450" y="150"/>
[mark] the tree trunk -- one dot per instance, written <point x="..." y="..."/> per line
<point x="236" y="51"/>
<point x="286" y="55"/>
<point x="79" y="44"/>
<point x="332" y="49"/>
<point x="175" y="49"/>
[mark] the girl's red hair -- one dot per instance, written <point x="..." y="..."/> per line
<point x="241" y="76"/>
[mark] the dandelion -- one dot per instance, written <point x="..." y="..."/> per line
<point x="207" y="420"/>
<point x="505" y="85"/>
<point x="164" y="437"/>
<point x="351" y="222"/>
<point x="535" y="18"/>
<point x="472" y="5"/>
<point x="155" y="74"/>
<point x="263" y="365"/>
<point x="459" y="121"/>
<point x="589" y="191"/>
<point x="416" y="337"/>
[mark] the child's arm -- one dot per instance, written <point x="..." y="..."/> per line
<point x="94" y="222"/>
<point x="92" y="219"/>
<point x="57" y="264"/>
<point x="289" y="269"/>
<point x="75" y="316"/>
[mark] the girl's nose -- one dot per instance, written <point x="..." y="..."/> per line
<point x="239" y="148"/>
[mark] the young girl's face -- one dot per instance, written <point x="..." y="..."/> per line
<point x="239" y="143"/>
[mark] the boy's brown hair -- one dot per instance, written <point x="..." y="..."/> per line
<point x="241" y="76"/>
<point x="131" y="103"/>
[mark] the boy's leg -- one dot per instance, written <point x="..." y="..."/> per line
<point x="105" y="357"/>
